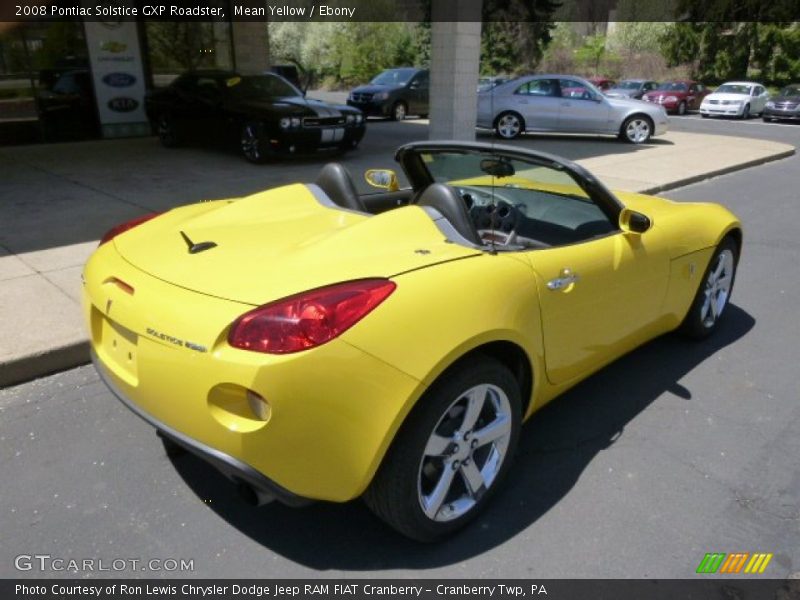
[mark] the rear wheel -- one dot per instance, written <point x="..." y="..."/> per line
<point x="509" y="125"/>
<point x="682" y="108"/>
<point x="399" y="111"/>
<point x="167" y="131"/>
<point x="251" y="143"/>
<point x="451" y="454"/>
<point x="636" y="129"/>
<point x="714" y="292"/>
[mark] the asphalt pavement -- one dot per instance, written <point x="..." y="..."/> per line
<point x="676" y="450"/>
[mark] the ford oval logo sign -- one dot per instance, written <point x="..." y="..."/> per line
<point x="119" y="80"/>
<point x="122" y="104"/>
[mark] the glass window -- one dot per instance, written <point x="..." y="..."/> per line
<point x="261" y="86"/>
<point x="538" y="204"/>
<point x="539" y="87"/>
<point x="571" y="88"/>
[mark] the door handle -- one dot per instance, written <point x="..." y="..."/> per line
<point x="565" y="279"/>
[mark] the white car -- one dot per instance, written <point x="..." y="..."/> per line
<point x="735" y="99"/>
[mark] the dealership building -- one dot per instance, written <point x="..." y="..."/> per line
<point x="86" y="78"/>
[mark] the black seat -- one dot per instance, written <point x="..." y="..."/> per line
<point x="336" y="182"/>
<point x="452" y="207"/>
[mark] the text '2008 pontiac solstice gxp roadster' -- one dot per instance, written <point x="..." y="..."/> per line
<point x="317" y="344"/>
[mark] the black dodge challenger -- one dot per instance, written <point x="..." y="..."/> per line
<point x="264" y="114"/>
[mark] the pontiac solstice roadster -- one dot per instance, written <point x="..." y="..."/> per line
<point x="314" y="343"/>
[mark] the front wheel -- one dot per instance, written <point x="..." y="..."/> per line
<point x="509" y="125"/>
<point x="636" y="129"/>
<point x="251" y="143"/>
<point x="451" y="454"/>
<point x="682" y="108"/>
<point x="745" y="112"/>
<point x="714" y="293"/>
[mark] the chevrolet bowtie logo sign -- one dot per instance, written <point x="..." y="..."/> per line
<point x="738" y="562"/>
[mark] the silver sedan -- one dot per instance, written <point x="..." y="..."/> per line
<point x="566" y="104"/>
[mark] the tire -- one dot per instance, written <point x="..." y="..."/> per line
<point x="767" y="119"/>
<point x="399" y="111"/>
<point x="713" y="293"/>
<point x="423" y="116"/>
<point x="171" y="449"/>
<point x="509" y="125"/>
<point x="251" y="143"/>
<point x="745" y="112"/>
<point x="636" y="129"/>
<point x="167" y="131"/>
<point x="432" y="453"/>
<point x="703" y="116"/>
<point x="682" y="108"/>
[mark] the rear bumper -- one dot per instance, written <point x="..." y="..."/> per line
<point x="233" y="468"/>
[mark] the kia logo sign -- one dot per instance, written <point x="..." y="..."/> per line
<point x="119" y="80"/>
<point x="122" y="104"/>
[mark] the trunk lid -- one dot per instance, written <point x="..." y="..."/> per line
<point x="281" y="242"/>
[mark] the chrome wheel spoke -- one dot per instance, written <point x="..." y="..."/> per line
<point x="476" y="398"/>
<point x="495" y="430"/>
<point x="473" y="479"/>
<point x="437" y="445"/>
<point x="432" y="503"/>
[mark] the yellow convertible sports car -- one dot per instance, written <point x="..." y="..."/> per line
<point x="317" y="344"/>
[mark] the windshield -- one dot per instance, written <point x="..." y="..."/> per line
<point x="515" y="202"/>
<point x="790" y="91"/>
<point x="394" y="77"/>
<point x="261" y="86"/>
<point x="733" y="88"/>
<point x="673" y="86"/>
<point x="629" y="85"/>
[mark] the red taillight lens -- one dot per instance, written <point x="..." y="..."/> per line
<point x="123" y="227"/>
<point x="309" y="319"/>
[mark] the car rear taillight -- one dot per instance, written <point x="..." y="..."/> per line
<point x="123" y="227"/>
<point x="309" y="319"/>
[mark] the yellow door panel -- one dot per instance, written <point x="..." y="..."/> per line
<point x="597" y="298"/>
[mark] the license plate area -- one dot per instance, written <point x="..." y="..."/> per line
<point x="334" y="134"/>
<point x="119" y="347"/>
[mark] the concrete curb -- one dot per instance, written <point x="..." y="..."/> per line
<point x="711" y="174"/>
<point x="52" y="360"/>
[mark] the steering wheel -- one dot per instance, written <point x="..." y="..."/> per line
<point x="497" y="221"/>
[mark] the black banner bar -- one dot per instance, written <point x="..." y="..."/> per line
<point x="400" y="589"/>
<point x="402" y="10"/>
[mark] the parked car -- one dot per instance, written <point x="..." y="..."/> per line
<point x="602" y="83"/>
<point x="264" y="114"/>
<point x="66" y="105"/>
<point x="631" y="88"/>
<point x="678" y="96"/>
<point x="784" y="105"/>
<point x="735" y="99"/>
<point x="394" y="93"/>
<point x="305" y="340"/>
<point x="487" y="83"/>
<point x="568" y="104"/>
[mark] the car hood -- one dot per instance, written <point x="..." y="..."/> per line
<point x="281" y="242"/>
<point x="785" y="99"/>
<point x="726" y="96"/>
<point x="666" y="93"/>
<point x="371" y="88"/>
<point x="294" y="105"/>
<point x="621" y="92"/>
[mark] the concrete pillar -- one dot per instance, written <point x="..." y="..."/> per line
<point x="250" y="46"/>
<point x="455" y="62"/>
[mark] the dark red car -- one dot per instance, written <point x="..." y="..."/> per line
<point x="678" y="96"/>
<point x="602" y="83"/>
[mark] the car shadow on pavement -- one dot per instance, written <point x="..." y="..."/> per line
<point x="555" y="448"/>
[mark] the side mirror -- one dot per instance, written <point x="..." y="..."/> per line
<point x="631" y="221"/>
<point x="384" y="179"/>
